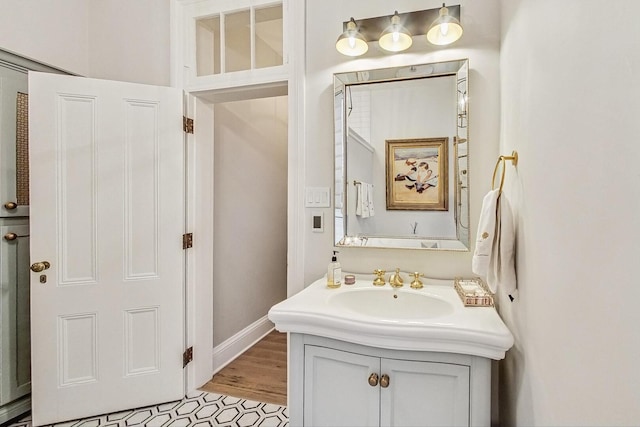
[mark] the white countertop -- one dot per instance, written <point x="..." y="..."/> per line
<point x="477" y="331"/>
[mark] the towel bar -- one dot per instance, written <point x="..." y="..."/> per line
<point x="502" y="159"/>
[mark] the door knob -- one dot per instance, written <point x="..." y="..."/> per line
<point x="37" y="267"/>
<point x="373" y="380"/>
<point x="10" y="206"/>
<point x="10" y="236"/>
<point x="384" y="381"/>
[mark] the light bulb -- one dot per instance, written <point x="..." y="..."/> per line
<point x="351" y="42"/>
<point x="445" y="29"/>
<point x="395" y="38"/>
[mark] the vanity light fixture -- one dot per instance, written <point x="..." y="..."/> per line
<point x="395" y="38"/>
<point x="445" y="29"/>
<point x="351" y="42"/>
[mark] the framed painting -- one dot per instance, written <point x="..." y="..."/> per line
<point x="416" y="174"/>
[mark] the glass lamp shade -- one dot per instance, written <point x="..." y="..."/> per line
<point x="351" y="42"/>
<point x="445" y="29"/>
<point x="395" y="38"/>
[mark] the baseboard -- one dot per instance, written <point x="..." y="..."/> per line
<point x="230" y="349"/>
<point x="15" y="409"/>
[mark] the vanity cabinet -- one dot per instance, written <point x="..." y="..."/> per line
<point x="15" y="342"/>
<point x="345" y="384"/>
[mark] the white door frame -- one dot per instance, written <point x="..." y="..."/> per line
<point x="199" y="283"/>
<point x="199" y="259"/>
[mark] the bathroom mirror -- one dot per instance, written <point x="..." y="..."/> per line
<point x="401" y="157"/>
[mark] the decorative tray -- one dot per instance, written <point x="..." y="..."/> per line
<point x="473" y="292"/>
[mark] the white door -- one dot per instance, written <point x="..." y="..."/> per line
<point x="107" y="214"/>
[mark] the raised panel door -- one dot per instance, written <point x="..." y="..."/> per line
<point x="15" y="348"/>
<point x="337" y="390"/>
<point x="107" y="212"/>
<point x="13" y="146"/>
<point x="424" y="394"/>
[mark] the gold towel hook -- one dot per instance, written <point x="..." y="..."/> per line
<point x="502" y="159"/>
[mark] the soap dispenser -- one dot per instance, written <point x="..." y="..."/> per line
<point x="334" y="272"/>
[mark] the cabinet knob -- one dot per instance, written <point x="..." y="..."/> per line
<point x="10" y="236"/>
<point x="384" y="381"/>
<point x="10" y="206"/>
<point x="373" y="380"/>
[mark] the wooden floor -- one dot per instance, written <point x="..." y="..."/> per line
<point x="259" y="374"/>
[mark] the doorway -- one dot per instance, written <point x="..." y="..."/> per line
<point x="250" y="216"/>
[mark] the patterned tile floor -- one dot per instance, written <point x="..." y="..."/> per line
<point x="197" y="409"/>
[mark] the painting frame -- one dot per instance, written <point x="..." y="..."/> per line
<point x="417" y="174"/>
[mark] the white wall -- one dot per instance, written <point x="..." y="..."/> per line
<point x="250" y="212"/>
<point x="50" y="31"/>
<point x="480" y="44"/>
<point x="570" y="105"/>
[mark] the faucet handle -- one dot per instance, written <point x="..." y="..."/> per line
<point x="379" y="280"/>
<point x="417" y="283"/>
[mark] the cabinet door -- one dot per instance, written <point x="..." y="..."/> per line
<point x="14" y="169"/>
<point x="337" y="390"/>
<point x="14" y="307"/>
<point x="424" y="394"/>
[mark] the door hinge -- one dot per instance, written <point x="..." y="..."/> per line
<point x="187" y="124"/>
<point x="187" y="356"/>
<point x="187" y="241"/>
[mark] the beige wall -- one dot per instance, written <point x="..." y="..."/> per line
<point x="250" y="212"/>
<point x="570" y="104"/>
<point x="108" y="39"/>
<point x="50" y="31"/>
<point x="480" y="44"/>
<point x="130" y="41"/>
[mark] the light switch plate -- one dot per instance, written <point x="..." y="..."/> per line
<point x="317" y="197"/>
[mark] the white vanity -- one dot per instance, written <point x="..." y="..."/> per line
<point x="363" y="355"/>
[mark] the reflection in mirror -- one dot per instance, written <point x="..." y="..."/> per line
<point x="387" y="174"/>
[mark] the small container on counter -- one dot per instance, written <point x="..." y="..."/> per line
<point x="349" y="279"/>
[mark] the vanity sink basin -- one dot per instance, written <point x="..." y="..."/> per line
<point x="429" y="319"/>
<point x="390" y="305"/>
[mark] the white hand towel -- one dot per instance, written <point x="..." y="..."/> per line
<point x="359" y="201"/>
<point x="502" y="271"/>
<point x="370" y="198"/>
<point x="494" y="254"/>
<point x="486" y="235"/>
<point x="365" y="200"/>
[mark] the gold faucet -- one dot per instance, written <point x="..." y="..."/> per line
<point x="417" y="283"/>
<point x="396" y="280"/>
<point x="379" y="280"/>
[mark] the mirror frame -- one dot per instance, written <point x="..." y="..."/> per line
<point x="459" y="175"/>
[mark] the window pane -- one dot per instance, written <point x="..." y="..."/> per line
<point x="237" y="33"/>
<point x="268" y="40"/>
<point x="208" y="46"/>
